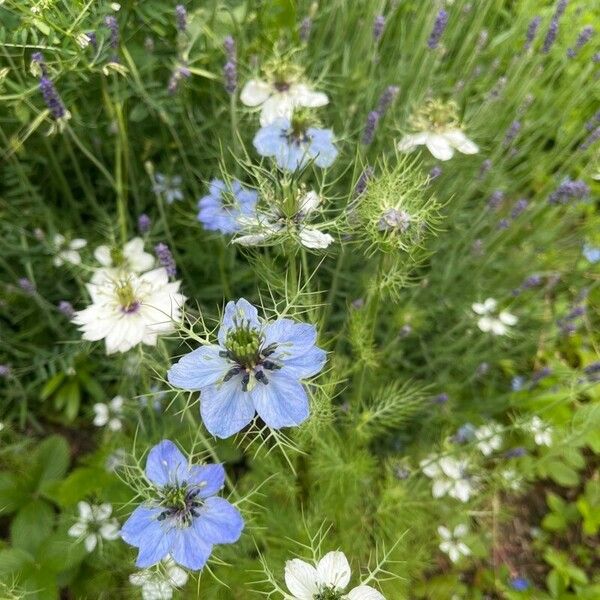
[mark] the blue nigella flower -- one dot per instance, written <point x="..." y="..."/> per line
<point x="591" y="253"/>
<point x="168" y="187"/>
<point x="224" y="206"/>
<point x="520" y="584"/>
<point x="293" y="147"/>
<point x="187" y="518"/>
<point x="257" y="367"/>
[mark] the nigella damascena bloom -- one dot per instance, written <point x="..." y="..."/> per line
<point x="491" y="320"/>
<point x="452" y="543"/>
<point x="292" y="144"/>
<point x="327" y="580"/>
<point x="131" y="257"/>
<point x="128" y="309"/>
<point x="591" y="253"/>
<point x="394" y="220"/>
<point x="169" y="187"/>
<point x="186" y="518"/>
<point x="279" y="96"/>
<point x="441" y="21"/>
<point x="450" y="477"/>
<point x="256" y="367"/>
<point x="436" y="126"/>
<point x="226" y="206"/>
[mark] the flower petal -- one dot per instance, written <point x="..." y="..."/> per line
<point x="237" y="313"/>
<point x="282" y="402"/>
<point x="314" y="239"/>
<point x="166" y="464"/>
<point x="461" y="142"/>
<point x="225" y="408"/>
<point x="302" y="95"/>
<point x="219" y="522"/>
<point x="301" y="579"/>
<point x="410" y="142"/>
<point x="189" y="550"/>
<point x="255" y="92"/>
<point x="141" y="519"/>
<point x="334" y="571"/>
<point x="210" y="478"/>
<point x="279" y="106"/>
<point x="200" y="368"/>
<point x="439" y="146"/>
<point x="364" y="592"/>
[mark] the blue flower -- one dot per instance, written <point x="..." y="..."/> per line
<point x="225" y="204"/>
<point x="169" y="187"/>
<point x="520" y="584"/>
<point x="255" y="368"/>
<point x="294" y="149"/>
<point x="591" y="253"/>
<point x="186" y="519"/>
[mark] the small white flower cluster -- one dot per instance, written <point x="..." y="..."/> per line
<point x="94" y="525"/>
<point x="489" y="438"/>
<point x="491" y="321"/>
<point x="109" y="415"/>
<point x="452" y="542"/>
<point x="450" y="477"/>
<point x="159" y="585"/>
<point x="541" y="431"/>
<point x="132" y="302"/>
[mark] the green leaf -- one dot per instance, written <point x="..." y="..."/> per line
<point x="52" y="385"/>
<point x="80" y="483"/>
<point x="12" y="494"/>
<point x="13" y="561"/>
<point x="51" y="459"/>
<point x="563" y="474"/>
<point x="32" y="525"/>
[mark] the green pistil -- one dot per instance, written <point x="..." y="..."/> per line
<point x="126" y="296"/>
<point x="301" y="120"/>
<point x="174" y="497"/>
<point x="329" y="594"/>
<point x="243" y="345"/>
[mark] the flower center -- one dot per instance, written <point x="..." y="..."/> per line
<point x="126" y="297"/>
<point x="281" y="86"/>
<point x="301" y="121"/>
<point x="328" y="594"/>
<point x="436" y="116"/>
<point x="181" y="504"/>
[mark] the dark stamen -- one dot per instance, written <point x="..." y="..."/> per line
<point x="245" y="382"/>
<point x="232" y="373"/>
<point x="260" y="376"/>
<point x="270" y="365"/>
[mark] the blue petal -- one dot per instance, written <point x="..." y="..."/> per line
<point x="269" y="140"/>
<point x="219" y="522"/>
<point x="210" y="478"/>
<point x="321" y="147"/>
<point x="166" y="464"/>
<point x="305" y="365"/>
<point x="200" y="368"/>
<point x="216" y="187"/>
<point x="282" y="402"/>
<point x="291" y="156"/>
<point x="189" y="550"/>
<point x="144" y="531"/>
<point x="240" y="312"/>
<point x="140" y="520"/>
<point x="225" y="408"/>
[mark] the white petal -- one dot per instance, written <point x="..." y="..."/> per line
<point x="486" y="323"/>
<point x="278" y="106"/>
<point x="364" y="592"/>
<point x="464" y="549"/>
<point x="110" y="531"/>
<point x="461" y="142"/>
<point x="450" y="467"/>
<point x="315" y="239"/>
<point x="58" y="240"/>
<point x="498" y="327"/>
<point x="302" y="95"/>
<point x="444" y="532"/>
<point x="439" y="146"/>
<point x="508" y="318"/>
<point x="490" y="304"/>
<point x="85" y="511"/>
<point x="301" y="579"/>
<point x="255" y="239"/>
<point x="479" y="308"/>
<point x="177" y="576"/>
<point x="78" y="244"/>
<point x="453" y="553"/>
<point x="102" y="511"/>
<point x="410" y="142"/>
<point x="116" y="404"/>
<point x="102" y="255"/>
<point x="255" y="92"/>
<point x="78" y="529"/>
<point x="461" y="490"/>
<point x="90" y="542"/>
<point x="461" y="530"/>
<point x="440" y="488"/>
<point x="101" y="417"/>
<point x="333" y="570"/>
<point x="309" y="202"/>
<point x="71" y="256"/>
<point x="115" y="424"/>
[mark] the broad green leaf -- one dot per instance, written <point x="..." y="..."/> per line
<point x="51" y="459"/>
<point x="12" y="493"/>
<point x="13" y="561"/>
<point x="32" y="525"/>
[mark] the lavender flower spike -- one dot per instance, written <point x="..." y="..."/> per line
<point x="144" y="223"/>
<point x="165" y="258"/>
<point x="553" y="29"/>
<point x="387" y="98"/>
<point x="181" y="18"/>
<point x="363" y="181"/>
<point x="230" y="67"/>
<point x="52" y="99"/>
<point x="304" y="29"/>
<point x="582" y="40"/>
<point x="441" y="21"/>
<point x="531" y="32"/>
<point x="378" y="27"/>
<point x="370" y="127"/>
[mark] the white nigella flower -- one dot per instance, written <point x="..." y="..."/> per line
<point x="450" y="477"/>
<point x="67" y="252"/>
<point x="269" y="227"/>
<point x="130" y="258"/>
<point x="542" y="432"/>
<point x="109" y="414"/>
<point x="437" y="127"/>
<point x="129" y="309"/>
<point x="497" y="324"/>
<point x="451" y="542"/>
<point x="159" y="585"/>
<point x="279" y="98"/>
<point x="489" y="438"/>
<point x="327" y="580"/>
<point x="511" y="479"/>
<point x="94" y="525"/>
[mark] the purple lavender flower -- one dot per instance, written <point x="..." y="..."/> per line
<point x="370" y="127"/>
<point x="5" y="370"/>
<point x="495" y="199"/>
<point x="584" y="37"/>
<point x="567" y="190"/>
<point x="532" y="281"/>
<point x="180" y="72"/>
<point x="519" y="208"/>
<point x="230" y="68"/>
<point x="590" y="139"/>
<point x="504" y="224"/>
<point x="440" y="398"/>
<point x="27" y="285"/>
<point x="113" y="26"/>
<point x="531" y="32"/>
<point x="592" y="123"/>
<point x="592" y="368"/>
<point x="91" y="36"/>
<point x="441" y="21"/>
<point x="38" y="59"/>
<point x="165" y="258"/>
<point x="541" y="374"/>
<point x="553" y="29"/>
<point x="66" y="308"/>
<point x="51" y="98"/>
<point x="363" y="181"/>
<point x="304" y="29"/>
<point x="512" y="133"/>
<point x="387" y="98"/>
<point x="486" y="165"/>
<point x="181" y="18"/>
<point x="378" y="27"/>
<point x="435" y="172"/>
<point x="144" y="223"/>
<point x="517" y="452"/>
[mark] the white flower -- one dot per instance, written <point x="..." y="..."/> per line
<point x="94" y="525"/>
<point x="512" y="479"/>
<point x="499" y="324"/>
<point x="441" y="143"/>
<point x="129" y="309"/>
<point x="109" y="414"/>
<point x="451" y="543"/>
<point x="270" y="226"/>
<point x="450" y="477"/>
<point x="131" y="258"/>
<point x="542" y="432"/>
<point x="279" y="99"/>
<point x="67" y="252"/>
<point x="331" y="574"/>
<point x="489" y="438"/>
<point x="159" y="585"/>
